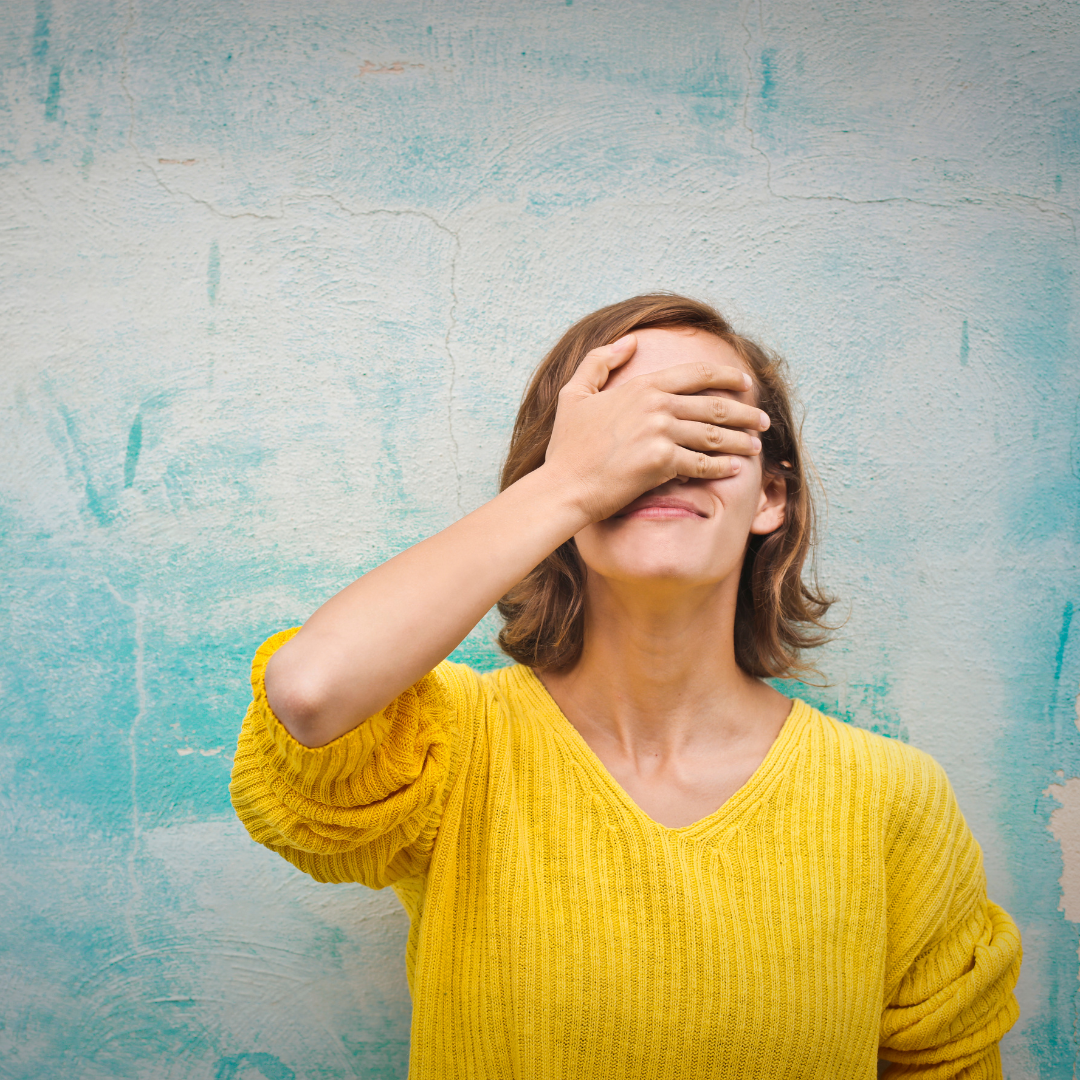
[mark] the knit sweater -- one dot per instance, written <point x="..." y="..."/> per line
<point x="832" y="911"/>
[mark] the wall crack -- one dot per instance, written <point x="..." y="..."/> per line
<point x="983" y="199"/>
<point x="451" y="324"/>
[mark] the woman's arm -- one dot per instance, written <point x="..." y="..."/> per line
<point x="954" y="957"/>
<point x="383" y="632"/>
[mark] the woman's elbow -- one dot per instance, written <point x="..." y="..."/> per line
<point x="298" y="697"/>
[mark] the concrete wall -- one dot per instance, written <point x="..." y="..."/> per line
<point x="273" y="277"/>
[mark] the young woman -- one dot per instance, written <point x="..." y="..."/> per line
<point x="627" y="856"/>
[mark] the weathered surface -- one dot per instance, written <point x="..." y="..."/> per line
<point x="273" y="276"/>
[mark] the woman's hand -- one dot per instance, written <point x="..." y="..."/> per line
<point x="611" y="447"/>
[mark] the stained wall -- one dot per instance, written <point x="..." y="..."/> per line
<point x="273" y="278"/>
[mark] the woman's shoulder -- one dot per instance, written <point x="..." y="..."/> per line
<point x="899" y="774"/>
<point x="512" y="683"/>
<point x="852" y="741"/>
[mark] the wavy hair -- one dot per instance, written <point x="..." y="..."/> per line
<point x="778" y="614"/>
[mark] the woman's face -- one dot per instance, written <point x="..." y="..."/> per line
<point x="687" y="532"/>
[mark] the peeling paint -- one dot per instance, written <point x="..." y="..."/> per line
<point x="1065" y="826"/>
<point x="398" y="67"/>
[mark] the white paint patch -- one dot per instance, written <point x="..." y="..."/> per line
<point x="1065" y="825"/>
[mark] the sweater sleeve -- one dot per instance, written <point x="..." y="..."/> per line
<point x="954" y="957"/>
<point x="365" y="807"/>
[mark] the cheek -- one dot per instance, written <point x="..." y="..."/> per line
<point x="740" y="492"/>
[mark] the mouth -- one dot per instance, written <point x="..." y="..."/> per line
<point x="661" y="509"/>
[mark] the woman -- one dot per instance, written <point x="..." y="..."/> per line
<point x="627" y="855"/>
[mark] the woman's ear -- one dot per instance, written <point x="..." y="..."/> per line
<point x="772" y="505"/>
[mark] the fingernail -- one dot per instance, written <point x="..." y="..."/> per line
<point x="736" y="465"/>
<point x="755" y="443"/>
<point x="765" y="421"/>
<point x="747" y="381"/>
<point x="621" y="341"/>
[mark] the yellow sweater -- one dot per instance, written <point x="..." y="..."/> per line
<point x="832" y="910"/>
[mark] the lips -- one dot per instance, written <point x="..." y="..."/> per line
<point x="662" y="507"/>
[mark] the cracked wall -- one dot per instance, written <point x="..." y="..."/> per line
<point x="273" y="278"/>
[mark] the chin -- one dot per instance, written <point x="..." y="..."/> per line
<point x="657" y="560"/>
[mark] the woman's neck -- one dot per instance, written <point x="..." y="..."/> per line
<point x="657" y="675"/>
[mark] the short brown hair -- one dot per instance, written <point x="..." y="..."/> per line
<point x="777" y="614"/>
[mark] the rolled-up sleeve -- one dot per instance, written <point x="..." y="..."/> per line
<point x="954" y="956"/>
<point x="367" y="806"/>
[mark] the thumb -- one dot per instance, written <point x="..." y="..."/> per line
<point x="593" y="371"/>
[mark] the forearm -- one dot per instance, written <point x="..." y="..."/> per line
<point x="380" y="634"/>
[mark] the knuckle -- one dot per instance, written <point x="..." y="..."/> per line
<point x="713" y="434"/>
<point x="704" y="371"/>
<point x="720" y="408"/>
<point x="702" y="463"/>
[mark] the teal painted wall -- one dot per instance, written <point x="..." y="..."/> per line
<point x="272" y="277"/>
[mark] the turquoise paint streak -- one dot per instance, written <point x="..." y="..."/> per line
<point x="42" y="19"/>
<point x="1063" y="640"/>
<point x="98" y="501"/>
<point x="134" y="446"/>
<point x="768" y="78"/>
<point x="52" y="97"/>
<point x="213" y="273"/>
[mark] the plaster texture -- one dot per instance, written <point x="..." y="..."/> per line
<point x="273" y="278"/>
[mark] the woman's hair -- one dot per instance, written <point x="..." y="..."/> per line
<point x="777" y="614"/>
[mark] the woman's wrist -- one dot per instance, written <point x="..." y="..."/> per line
<point x="558" y="499"/>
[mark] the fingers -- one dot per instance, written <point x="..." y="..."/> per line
<point x="725" y="411"/>
<point x="713" y="439"/>
<point x="699" y="466"/>
<point x="693" y="378"/>
<point x="594" y="370"/>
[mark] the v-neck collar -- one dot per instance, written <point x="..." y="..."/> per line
<point x="732" y="809"/>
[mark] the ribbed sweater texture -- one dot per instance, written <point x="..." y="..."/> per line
<point x="831" y="912"/>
